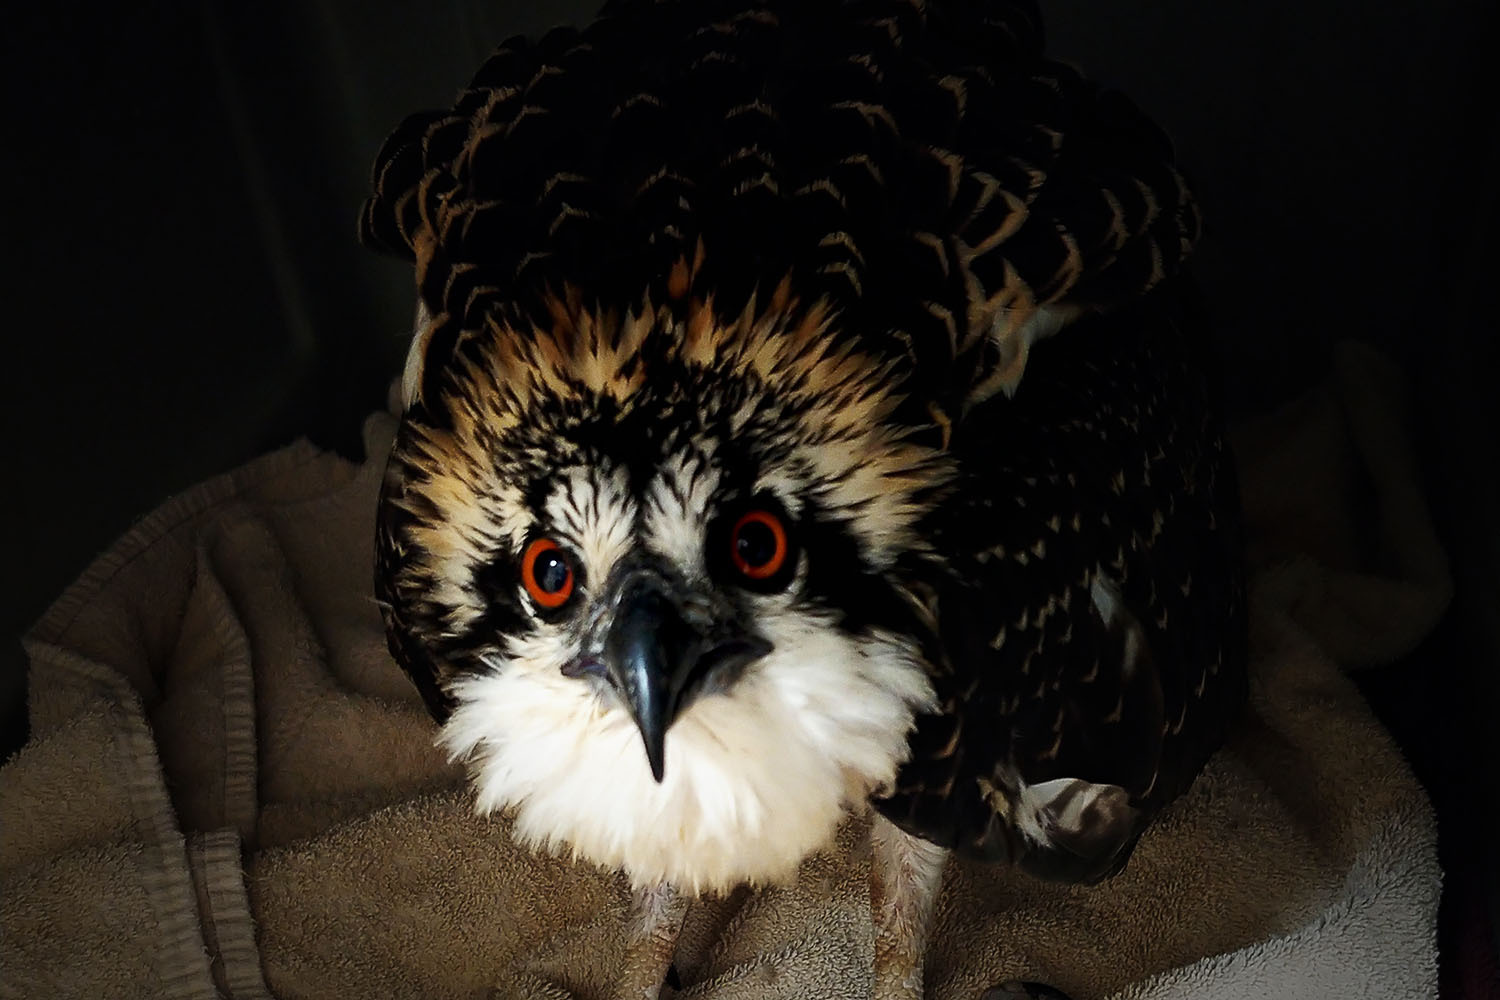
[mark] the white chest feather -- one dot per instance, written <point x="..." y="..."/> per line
<point x="757" y="777"/>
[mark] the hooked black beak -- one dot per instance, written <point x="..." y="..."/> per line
<point x="659" y="654"/>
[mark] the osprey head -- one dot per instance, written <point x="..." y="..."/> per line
<point x="655" y="544"/>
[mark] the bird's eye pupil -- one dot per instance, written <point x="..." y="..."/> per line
<point x="755" y="543"/>
<point x="547" y="574"/>
<point x="551" y="573"/>
<point x="758" y="546"/>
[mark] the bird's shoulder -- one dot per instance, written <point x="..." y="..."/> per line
<point x="1091" y="603"/>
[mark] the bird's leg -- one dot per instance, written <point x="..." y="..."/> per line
<point x="905" y="876"/>
<point x="656" y="916"/>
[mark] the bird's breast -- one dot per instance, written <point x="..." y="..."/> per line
<point x="757" y="777"/>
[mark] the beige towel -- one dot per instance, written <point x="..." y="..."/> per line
<point x="231" y="790"/>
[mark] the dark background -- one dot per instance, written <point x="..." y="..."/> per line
<point x="185" y="290"/>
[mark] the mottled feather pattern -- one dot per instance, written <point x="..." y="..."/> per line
<point x="1107" y="466"/>
<point x="789" y="242"/>
<point x="921" y="166"/>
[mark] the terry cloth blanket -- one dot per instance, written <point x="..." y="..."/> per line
<point x="231" y="790"/>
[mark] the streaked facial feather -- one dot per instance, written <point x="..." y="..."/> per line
<point x="775" y="403"/>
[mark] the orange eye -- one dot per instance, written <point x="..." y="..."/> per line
<point x="757" y="544"/>
<point x="546" y="574"/>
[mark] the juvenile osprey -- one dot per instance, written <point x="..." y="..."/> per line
<point x="806" y="413"/>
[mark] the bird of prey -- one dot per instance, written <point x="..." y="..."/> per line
<point x="808" y="413"/>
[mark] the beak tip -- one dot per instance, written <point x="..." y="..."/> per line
<point x="656" y="756"/>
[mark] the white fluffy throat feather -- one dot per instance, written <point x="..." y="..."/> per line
<point x="757" y="777"/>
